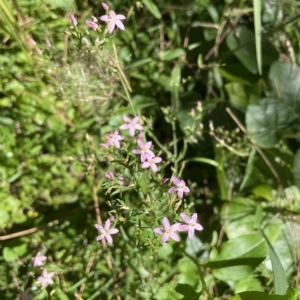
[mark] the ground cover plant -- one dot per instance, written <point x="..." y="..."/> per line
<point x="149" y="150"/>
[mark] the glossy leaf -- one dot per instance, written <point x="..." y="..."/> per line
<point x="285" y="78"/>
<point x="267" y="119"/>
<point x="238" y="257"/>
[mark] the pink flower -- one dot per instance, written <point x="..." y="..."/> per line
<point x="32" y="41"/>
<point x="104" y="145"/>
<point x="152" y="163"/>
<point x="145" y="151"/>
<point x="180" y="187"/>
<point x="92" y="24"/>
<point x="38" y="259"/>
<point x="106" y="231"/>
<point x="191" y="226"/>
<point x="110" y="175"/>
<point x="104" y="5"/>
<point x="131" y="124"/>
<point x="48" y="43"/>
<point x="46" y="278"/>
<point x="164" y="180"/>
<point x="38" y="51"/>
<point x="26" y="294"/>
<point x="114" y="138"/>
<point x="168" y="231"/>
<point x="73" y="19"/>
<point x="113" y="20"/>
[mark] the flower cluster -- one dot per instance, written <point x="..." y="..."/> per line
<point x="111" y="18"/>
<point x="168" y="231"/>
<point x="148" y="159"/>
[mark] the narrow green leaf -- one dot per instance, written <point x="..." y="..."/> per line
<point x="257" y="29"/>
<point x="172" y="54"/>
<point x="202" y="160"/>
<point x="280" y="282"/>
<point x="152" y="8"/>
<point x="249" y="168"/>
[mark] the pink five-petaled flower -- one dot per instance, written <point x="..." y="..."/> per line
<point x="168" y="231"/>
<point x="145" y="151"/>
<point x="151" y="162"/>
<point x="131" y="124"/>
<point x="113" y="20"/>
<point x="180" y="187"/>
<point x="38" y="259"/>
<point x="114" y="138"/>
<point x="92" y="24"/>
<point x="26" y="294"/>
<point x="191" y="226"/>
<point x="73" y="19"/>
<point x="46" y="278"/>
<point x="106" y="231"/>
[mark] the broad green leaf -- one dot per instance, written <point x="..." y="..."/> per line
<point x="238" y="217"/>
<point x="238" y="95"/>
<point x="285" y="78"/>
<point x="266" y="120"/>
<point x="172" y="54"/>
<point x="296" y="168"/>
<point x="152" y="8"/>
<point x="291" y="294"/>
<point x="187" y="291"/>
<point x="257" y="28"/>
<point x="66" y="4"/>
<point x="280" y="281"/>
<point x="4" y="218"/>
<point x="242" y="44"/>
<point x="237" y="258"/>
<point x="188" y="272"/>
<point x="248" y="284"/>
<point x="167" y="292"/>
<point x="9" y="254"/>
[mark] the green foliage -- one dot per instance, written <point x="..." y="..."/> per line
<point x="216" y="87"/>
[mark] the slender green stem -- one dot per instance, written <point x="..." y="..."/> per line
<point x="122" y="81"/>
<point x="204" y="286"/>
<point x="175" y="149"/>
<point x="160" y="145"/>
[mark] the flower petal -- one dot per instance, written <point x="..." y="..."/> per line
<point x="131" y="131"/>
<point x="107" y="224"/>
<point x="185" y="217"/>
<point x="165" y="237"/>
<point x="120" y="25"/>
<point x="175" y="180"/>
<point x="159" y="230"/>
<point x="183" y="228"/>
<point x="113" y="231"/>
<point x="175" y="226"/>
<point x="175" y="237"/>
<point x="136" y="151"/>
<point x="99" y="227"/>
<point x="126" y="119"/>
<point x="145" y="164"/>
<point x="180" y="193"/>
<point x="191" y="232"/>
<point x="124" y="126"/>
<point x="109" y="238"/>
<point x="138" y="126"/>
<point x="194" y="217"/>
<point x="172" y="189"/>
<point x="154" y="168"/>
<point x="166" y="223"/>
<point x="105" y="18"/>
<point x="120" y="17"/>
<point x="111" y="26"/>
<point x="198" y="227"/>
